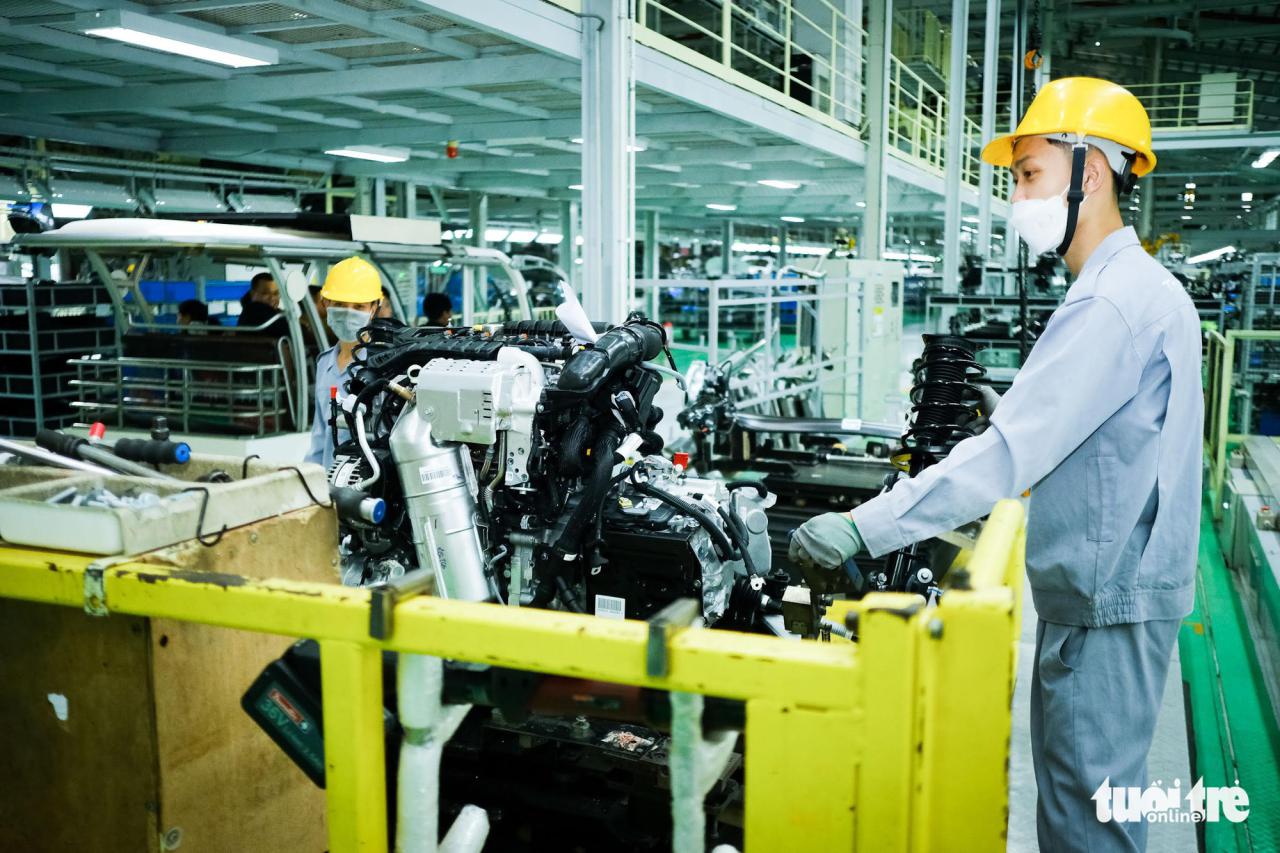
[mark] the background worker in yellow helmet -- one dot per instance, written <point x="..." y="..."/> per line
<point x="1103" y="425"/>
<point x="351" y="294"/>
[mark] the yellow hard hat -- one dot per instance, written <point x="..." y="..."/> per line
<point x="1083" y="107"/>
<point x="352" y="280"/>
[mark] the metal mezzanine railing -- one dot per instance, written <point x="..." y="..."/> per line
<point x="814" y="56"/>
<point x="1215" y="102"/>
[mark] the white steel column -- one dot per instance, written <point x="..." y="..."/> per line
<point x="955" y="146"/>
<point x="1147" y="195"/>
<point x="879" y="39"/>
<point x="608" y="161"/>
<point x="569" y="245"/>
<point x="408" y="208"/>
<point x="473" y="276"/>
<point x="986" y="179"/>
<point x="650" y="244"/>
<point x="726" y="248"/>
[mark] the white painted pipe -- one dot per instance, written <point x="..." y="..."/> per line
<point x="428" y="725"/>
<point x="418" y="682"/>
<point x="468" y="833"/>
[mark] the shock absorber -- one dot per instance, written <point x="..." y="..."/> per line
<point x="944" y="401"/>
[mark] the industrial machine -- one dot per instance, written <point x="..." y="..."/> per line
<point x="517" y="466"/>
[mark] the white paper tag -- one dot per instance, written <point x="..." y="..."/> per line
<point x="611" y="607"/>
<point x="851" y="424"/>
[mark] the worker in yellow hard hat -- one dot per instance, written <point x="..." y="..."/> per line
<point x="1103" y="424"/>
<point x="351" y="295"/>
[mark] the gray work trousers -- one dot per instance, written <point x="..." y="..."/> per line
<point x="1095" y="693"/>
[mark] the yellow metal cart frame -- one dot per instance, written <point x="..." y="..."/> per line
<point x="897" y="742"/>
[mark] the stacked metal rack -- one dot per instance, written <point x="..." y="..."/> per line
<point x="42" y="326"/>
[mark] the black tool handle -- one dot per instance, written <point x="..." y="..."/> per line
<point x="60" y="442"/>
<point x="155" y="452"/>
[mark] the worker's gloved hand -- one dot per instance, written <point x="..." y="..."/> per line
<point x="825" y="541"/>
<point x="990" y="399"/>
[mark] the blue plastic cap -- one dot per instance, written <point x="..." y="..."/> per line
<point x="379" y="511"/>
<point x="182" y="453"/>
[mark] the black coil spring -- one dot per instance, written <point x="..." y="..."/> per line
<point x="943" y="400"/>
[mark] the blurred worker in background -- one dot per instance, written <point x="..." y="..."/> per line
<point x="261" y="304"/>
<point x="351" y="294"/>
<point x="1103" y="425"/>
<point x="438" y="309"/>
<point x="194" y="311"/>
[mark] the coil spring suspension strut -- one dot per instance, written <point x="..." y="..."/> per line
<point x="944" y="405"/>
<point x="943" y="402"/>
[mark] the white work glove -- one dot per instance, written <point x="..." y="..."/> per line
<point x="826" y="541"/>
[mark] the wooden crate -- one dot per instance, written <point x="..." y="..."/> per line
<point x="126" y="734"/>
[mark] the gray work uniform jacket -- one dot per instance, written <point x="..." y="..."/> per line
<point x="1104" y="424"/>
<point x="327" y="376"/>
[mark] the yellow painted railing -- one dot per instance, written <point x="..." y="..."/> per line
<point x="1224" y="102"/>
<point x="897" y="742"/>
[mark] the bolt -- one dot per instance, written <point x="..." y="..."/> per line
<point x="581" y="727"/>
<point x="935" y="628"/>
<point x="173" y="839"/>
<point x="253" y="537"/>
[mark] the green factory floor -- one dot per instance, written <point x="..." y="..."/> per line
<point x="1233" y="731"/>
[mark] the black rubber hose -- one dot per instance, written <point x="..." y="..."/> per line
<point x="760" y="487"/>
<point x="575" y="446"/>
<point x="593" y="495"/>
<point x="741" y="538"/>
<point x="566" y="594"/>
<point x="366" y="394"/>
<point x="718" y="537"/>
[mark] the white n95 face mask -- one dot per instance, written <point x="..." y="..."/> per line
<point x="1040" y="222"/>
<point x="346" y="323"/>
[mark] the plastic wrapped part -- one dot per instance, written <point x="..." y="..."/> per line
<point x="439" y="495"/>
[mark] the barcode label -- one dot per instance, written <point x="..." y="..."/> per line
<point x="611" y="607"/>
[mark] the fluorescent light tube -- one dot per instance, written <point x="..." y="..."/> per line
<point x="376" y="153"/>
<point x="1211" y="256"/>
<point x="172" y="37"/>
<point x="779" y="185"/>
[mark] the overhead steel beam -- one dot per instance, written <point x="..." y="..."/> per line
<point x="111" y="50"/>
<point x="425" y="116"/>
<point x="533" y="23"/>
<point x="502" y="132"/>
<point x="1078" y="11"/>
<point x="343" y="13"/>
<point x="301" y="115"/>
<point x="422" y="76"/>
<point x="211" y="120"/>
<point x="287" y="52"/>
<point x="1202" y="140"/>
<point x="65" y="72"/>
<point x="492" y="102"/>
<point x="54" y="128"/>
